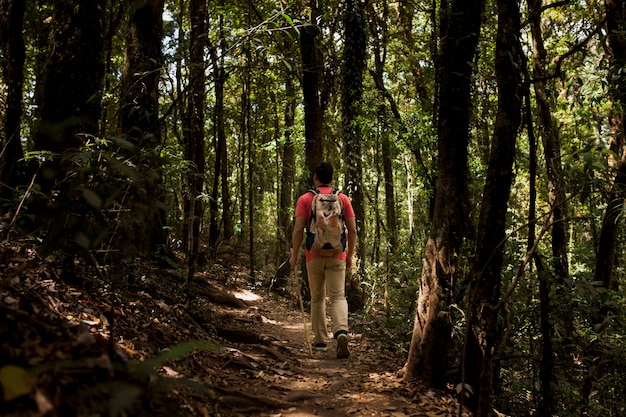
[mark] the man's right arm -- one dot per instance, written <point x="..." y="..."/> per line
<point x="296" y="239"/>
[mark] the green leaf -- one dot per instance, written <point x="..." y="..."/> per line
<point x="15" y="382"/>
<point x="181" y="350"/>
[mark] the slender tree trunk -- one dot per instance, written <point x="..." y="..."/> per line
<point x="12" y="67"/>
<point x="288" y="156"/>
<point x="353" y="70"/>
<point x="221" y="169"/>
<point x="115" y="13"/>
<point x="227" y="216"/>
<point x="552" y="154"/>
<point x="546" y="363"/>
<point x="428" y="353"/>
<point x="487" y="267"/>
<point x="379" y="40"/>
<point x="193" y="134"/>
<point x="251" y="168"/>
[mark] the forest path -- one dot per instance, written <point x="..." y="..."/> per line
<point x="161" y="346"/>
<point x="282" y="378"/>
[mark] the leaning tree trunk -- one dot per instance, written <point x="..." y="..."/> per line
<point x="12" y="67"/>
<point x="139" y="123"/>
<point x="353" y="69"/>
<point x="486" y="271"/>
<point x="428" y="353"/>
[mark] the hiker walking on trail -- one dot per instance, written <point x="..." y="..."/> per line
<point x="330" y="224"/>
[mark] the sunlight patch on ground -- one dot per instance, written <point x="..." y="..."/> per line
<point x="247" y="295"/>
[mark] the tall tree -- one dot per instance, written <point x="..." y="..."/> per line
<point x="312" y="69"/>
<point x="288" y="158"/>
<point x="380" y="37"/>
<point x="221" y="168"/>
<point x="12" y="67"/>
<point x="139" y="122"/>
<point x="558" y="214"/>
<point x="353" y="70"/>
<point x="552" y="153"/>
<point x="616" y="30"/>
<point x="69" y="103"/>
<point x="485" y="275"/>
<point x="428" y="353"/>
<point x="193" y="133"/>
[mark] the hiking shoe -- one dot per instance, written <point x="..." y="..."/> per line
<point x="342" y="346"/>
<point x="319" y="347"/>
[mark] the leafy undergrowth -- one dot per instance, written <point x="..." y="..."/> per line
<point x="160" y="345"/>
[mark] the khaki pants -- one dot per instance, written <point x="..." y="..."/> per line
<point x="327" y="276"/>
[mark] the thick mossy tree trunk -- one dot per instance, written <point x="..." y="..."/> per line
<point x="485" y="276"/>
<point x="428" y="353"/>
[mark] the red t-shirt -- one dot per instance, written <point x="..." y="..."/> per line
<point x="303" y="208"/>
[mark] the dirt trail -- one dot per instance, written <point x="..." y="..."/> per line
<point x="300" y="384"/>
<point x="148" y="349"/>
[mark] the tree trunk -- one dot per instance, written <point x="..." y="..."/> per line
<point x="546" y="367"/>
<point x="428" y="353"/>
<point x="12" y="67"/>
<point x="69" y="106"/>
<point x="379" y="39"/>
<point x="312" y="67"/>
<point x="487" y="266"/>
<point x="288" y="157"/>
<point x="193" y="134"/>
<point x="139" y="122"/>
<point x="221" y="171"/>
<point x="353" y="69"/>
<point x="552" y="154"/>
<point x="616" y="26"/>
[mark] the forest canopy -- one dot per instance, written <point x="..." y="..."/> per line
<point x="481" y="143"/>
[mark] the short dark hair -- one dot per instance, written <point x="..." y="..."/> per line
<point x="324" y="172"/>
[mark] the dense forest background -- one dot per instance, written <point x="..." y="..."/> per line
<point x="481" y="143"/>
